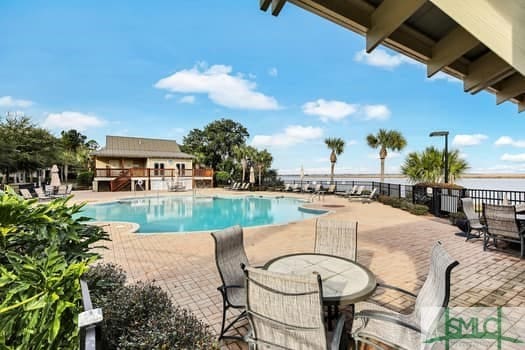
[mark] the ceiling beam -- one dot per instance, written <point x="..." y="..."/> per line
<point x="277" y="6"/>
<point x="264" y="4"/>
<point x="451" y="47"/>
<point x="387" y="17"/>
<point x="486" y="70"/>
<point x="510" y="88"/>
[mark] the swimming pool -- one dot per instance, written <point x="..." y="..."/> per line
<point x="185" y="214"/>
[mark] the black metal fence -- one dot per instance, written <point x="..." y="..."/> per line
<point x="441" y="201"/>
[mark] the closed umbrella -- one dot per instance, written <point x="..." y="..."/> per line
<point x="55" y="179"/>
<point x="252" y="175"/>
<point x="301" y="175"/>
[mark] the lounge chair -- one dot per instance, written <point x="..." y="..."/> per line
<point x="62" y="191"/>
<point x="348" y="192"/>
<point x="25" y="193"/>
<point x="286" y="312"/>
<point x="502" y="225"/>
<point x="373" y="322"/>
<point x="296" y="188"/>
<point x="246" y="186"/>
<point x="358" y="192"/>
<point x="331" y="189"/>
<point x="317" y="188"/>
<point x="176" y="186"/>
<point x="41" y="195"/>
<point x="229" y="255"/>
<point x="365" y="198"/>
<point x="307" y="188"/>
<point x="286" y="188"/>
<point x="239" y="187"/>
<point x="473" y="222"/>
<point x="69" y="189"/>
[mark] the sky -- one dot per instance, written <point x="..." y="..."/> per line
<point x="159" y="69"/>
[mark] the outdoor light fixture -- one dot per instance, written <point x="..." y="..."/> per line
<point x="443" y="133"/>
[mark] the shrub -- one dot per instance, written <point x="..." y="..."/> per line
<point x="44" y="250"/>
<point x="222" y="177"/>
<point x="141" y="316"/>
<point x="419" y="209"/>
<point x="85" y="178"/>
<point x="406" y="205"/>
<point x="396" y="202"/>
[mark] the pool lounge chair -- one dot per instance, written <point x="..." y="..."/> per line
<point x="473" y="222"/>
<point x="358" y="192"/>
<point x="348" y="192"/>
<point x="296" y="188"/>
<point x="62" y="191"/>
<point x="331" y="189"/>
<point x="25" y="193"/>
<point x="41" y="195"/>
<point x="307" y="188"/>
<point x="365" y="198"/>
<point x="287" y="188"/>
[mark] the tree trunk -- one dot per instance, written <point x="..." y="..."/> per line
<point x="243" y="163"/>
<point x="382" y="178"/>
<point x="332" y="166"/>
<point x="260" y="179"/>
<point x="65" y="173"/>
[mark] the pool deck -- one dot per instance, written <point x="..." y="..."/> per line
<point x="392" y="243"/>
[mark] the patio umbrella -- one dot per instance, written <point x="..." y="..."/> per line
<point x="55" y="179"/>
<point x="252" y="175"/>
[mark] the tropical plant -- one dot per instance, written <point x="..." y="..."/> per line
<point x="44" y="250"/>
<point x="336" y="145"/>
<point x="428" y="166"/>
<point x="386" y="140"/>
<point x="241" y="154"/>
<point x="263" y="160"/>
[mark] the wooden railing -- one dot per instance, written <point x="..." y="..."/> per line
<point x="151" y="172"/>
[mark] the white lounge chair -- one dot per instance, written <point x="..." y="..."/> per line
<point x="41" y="195"/>
<point x="25" y="193"/>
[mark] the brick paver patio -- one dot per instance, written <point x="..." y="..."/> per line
<point x="392" y="243"/>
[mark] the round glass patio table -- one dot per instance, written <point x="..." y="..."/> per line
<point x="344" y="281"/>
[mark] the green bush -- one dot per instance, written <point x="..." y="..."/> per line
<point x="406" y="205"/>
<point x="419" y="209"/>
<point x="222" y="177"/>
<point x="396" y="202"/>
<point x="43" y="252"/>
<point x="141" y="316"/>
<point x="85" y="178"/>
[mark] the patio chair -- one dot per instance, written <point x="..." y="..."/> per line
<point x="331" y="189"/>
<point x="365" y="198"/>
<point x="287" y="188"/>
<point x="229" y="255"/>
<point x="473" y="222"/>
<point x="296" y="188"/>
<point x="41" y="195"/>
<point x="285" y="312"/>
<point x="69" y="188"/>
<point x="375" y="323"/>
<point x="62" y="190"/>
<point x="337" y="238"/>
<point x="502" y="225"/>
<point x="25" y="193"/>
<point x="307" y="188"/>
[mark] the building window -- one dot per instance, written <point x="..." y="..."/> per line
<point x="158" y="169"/>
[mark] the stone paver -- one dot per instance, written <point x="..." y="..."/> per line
<point x="393" y="244"/>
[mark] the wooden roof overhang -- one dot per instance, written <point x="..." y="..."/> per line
<point x="481" y="42"/>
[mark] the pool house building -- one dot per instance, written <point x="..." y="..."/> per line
<point x="136" y="163"/>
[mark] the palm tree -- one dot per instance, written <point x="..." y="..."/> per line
<point x="242" y="154"/>
<point x="336" y="145"/>
<point x="386" y="139"/>
<point x="263" y="159"/>
<point x="428" y="165"/>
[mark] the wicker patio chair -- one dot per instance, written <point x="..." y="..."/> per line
<point x="374" y="323"/>
<point x="502" y="225"/>
<point x="285" y="312"/>
<point x="337" y="238"/>
<point x="473" y="222"/>
<point x="229" y="256"/>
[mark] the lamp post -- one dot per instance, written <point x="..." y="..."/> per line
<point x="443" y="133"/>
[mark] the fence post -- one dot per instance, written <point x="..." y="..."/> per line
<point x="399" y="191"/>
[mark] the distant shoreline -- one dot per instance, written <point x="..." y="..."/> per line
<point x="400" y="176"/>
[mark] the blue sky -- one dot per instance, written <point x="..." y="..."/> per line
<point x="159" y="69"/>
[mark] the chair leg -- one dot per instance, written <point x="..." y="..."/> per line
<point x="485" y="240"/>
<point x="468" y="231"/>
<point x="522" y="255"/>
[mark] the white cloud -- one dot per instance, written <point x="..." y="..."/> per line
<point x="508" y="141"/>
<point x="518" y="158"/>
<point x="72" y="120"/>
<point x="381" y="58"/>
<point x="444" y="76"/>
<point x="169" y="96"/>
<point x="292" y="135"/>
<point x="8" y="101"/>
<point x="178" y="130"/>
<point x="351" y="142"/>
<point x="329" y="110"/>
<point x="190" y="99"/>
<point x="390" y="155"/>
<point x="223" y="88"/>
<point x="376" y="112"/>
<point x="469" y="140"/>
<point x="273" y="72"/>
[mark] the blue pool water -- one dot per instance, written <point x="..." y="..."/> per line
<point x="184" y="214"/>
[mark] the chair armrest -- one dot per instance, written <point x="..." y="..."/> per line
<point x="383" y="316"/>
<point x="340" y="339"/>
<point x="224" y="288"/>
<point x="386" y="286"/>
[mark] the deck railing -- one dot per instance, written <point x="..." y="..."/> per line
<point x="152" y="172"/>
